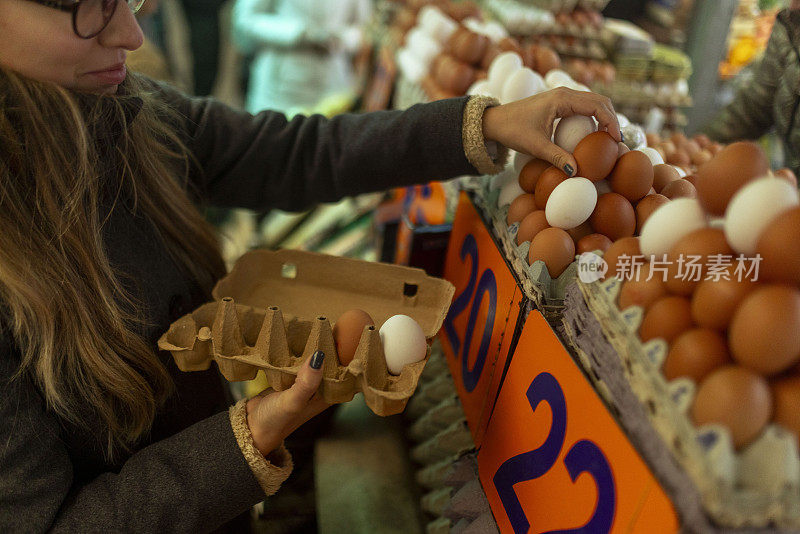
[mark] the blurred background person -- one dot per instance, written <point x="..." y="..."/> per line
<point x="302" y="50"/>
<point x="203" y="20"/>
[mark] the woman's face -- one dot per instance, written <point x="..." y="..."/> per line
<point x="38" y="42"/>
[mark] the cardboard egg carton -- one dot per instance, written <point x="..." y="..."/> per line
<point x="274" y="310"/>
<point x="755" y="488"/>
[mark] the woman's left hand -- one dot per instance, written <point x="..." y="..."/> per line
<point x="527" y="125"/>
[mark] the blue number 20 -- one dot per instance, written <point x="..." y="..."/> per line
<point x="486" y="286"/>
<point x="583" y="457"/>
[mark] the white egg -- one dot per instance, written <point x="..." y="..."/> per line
<point x="510" y="191"/>
<point x="571" y="130"/>
<point x="652" y="153"/>
<point x="520" y="160"/>
<point x="474" y="25"/>
<point x="403" y="342"/>
<point x="499" y="181"/>
<point x="481" y="87"/>
<point x="495" y="30"/>
<point x="436" y="23"/>
<point x="682" y="173"/>
<point x="422" y="45"/>
<point x="623" y="120"/>
<point x="582" y="88"/>
<point x="753" y="208"/>
<point x="557" y="78"/>
<point x="668" y="224"/>
<point x="412" y="68"/>
<point x="522" y="84"/>
<point x="571" y="203"/>
<point x="502" y="67"/>
<point x="602" y="187"/>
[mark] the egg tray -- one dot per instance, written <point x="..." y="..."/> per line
<point x="546" y="293"/>
<point x="272" y="313"/>
<point x="758" y="487"/>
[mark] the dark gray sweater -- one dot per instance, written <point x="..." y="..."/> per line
<point x="189" y="475"/>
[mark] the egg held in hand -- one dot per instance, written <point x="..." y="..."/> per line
<point x="403" y="342"/>
<point x="347" y="333"/>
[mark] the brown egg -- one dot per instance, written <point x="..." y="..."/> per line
<point x="547" y="182"/>
<point x="613" y="216"/>
<point x="720" y="179"/>
<point x="531" y="225"/>
<point x="736" y="398"/>
<point x="596" y="155"/>
<point x="579" y="232"/>
<point x="627" y="248"/>
<point x="679" y="158"/>
<point x="492" y="51"/>
<point x="530" y="174"/>
<point x="468" y="46"/>
<point x="764" y="334"/>
<point x="520" y="208"/>
<point x="593" y="242"/>
<point x="546" y="60"/>
<point x="692" y="147"/>
<point x="786" y="403"/>
<point x="347" y="333"/>
<point x="715" y="301"/>
<point x="679" y="139"/>
<point x="623" y="149"/>
<point x="509" y="44"/>
<point x="788" y="175"/>
<point x="689" y="258"/>
<point x="779" y="248"/>
<point x="632" y="176"/>
<point x="555" y="248"/>
<point x="692" y="179"/>
<point x="642" y="290"/>
<point x="667" y="318"/>
<point x="664" y="174"/>
<point x="646" y="207"/>
<point x="679" y="189"/>
<point x="653" y="139"/>
<point x="702" y="157"/>
<point x="696" y="353"/>
<point x="702" y="140"/>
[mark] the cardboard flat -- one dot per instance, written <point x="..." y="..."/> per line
<point x="275" y="309"/>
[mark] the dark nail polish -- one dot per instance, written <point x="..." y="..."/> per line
<point x="569" y="170"/>
<point x="316" y="359"/>
<point x="622" y="136"/>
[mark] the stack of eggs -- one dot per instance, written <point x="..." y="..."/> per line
<point x="478" y="60"/>
<point x="732" y="319"/>
<point x="609" y="199"/>
<point x="408" y="15"/>
<point x="590" y="71"/>
<point x="688" y="154"/>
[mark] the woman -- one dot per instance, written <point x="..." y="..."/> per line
<point x="102" y="247"/>
<point x="770" y="99"/>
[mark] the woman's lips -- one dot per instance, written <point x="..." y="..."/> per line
<point x="113" y="76"/>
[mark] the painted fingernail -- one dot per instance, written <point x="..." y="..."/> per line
<point x="622" y="136"/>
<point x="316" y="359"/>
<point x="569" y="170"/>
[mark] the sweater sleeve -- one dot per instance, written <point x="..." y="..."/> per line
<point x="193" y="481"/>
<point x="266" y="161"/>
<point x="749" y="115"/>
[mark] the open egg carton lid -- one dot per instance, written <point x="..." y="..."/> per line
<point x="537" y="285"/>
<point x="756" y="489"/>
<point x="274" y="310"/>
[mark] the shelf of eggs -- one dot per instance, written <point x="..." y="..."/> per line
<point x="715" y="356"/>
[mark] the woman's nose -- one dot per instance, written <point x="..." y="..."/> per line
<point x="123" y="30"/>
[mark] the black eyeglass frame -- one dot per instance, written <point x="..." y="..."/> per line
<point x="74" y="6"/>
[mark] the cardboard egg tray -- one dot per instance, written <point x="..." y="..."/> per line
<point x="756" y="488"/>
<point x="548" y="294"/>
<point x="274" y="310"/>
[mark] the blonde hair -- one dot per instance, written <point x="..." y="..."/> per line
<point x="79" y="330"/>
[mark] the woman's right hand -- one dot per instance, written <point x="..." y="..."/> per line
<point x="273" y="415"/>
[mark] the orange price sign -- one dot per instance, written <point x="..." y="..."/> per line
<point x="486" y="294"/>
<point x="554" y="459"/>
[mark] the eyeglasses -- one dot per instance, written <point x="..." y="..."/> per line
<point x="90" y="17"/>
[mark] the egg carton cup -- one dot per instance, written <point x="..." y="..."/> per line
<point x="272" y="312"/>
<point x="547" y="293"/>
<point x="756" y="488"/>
